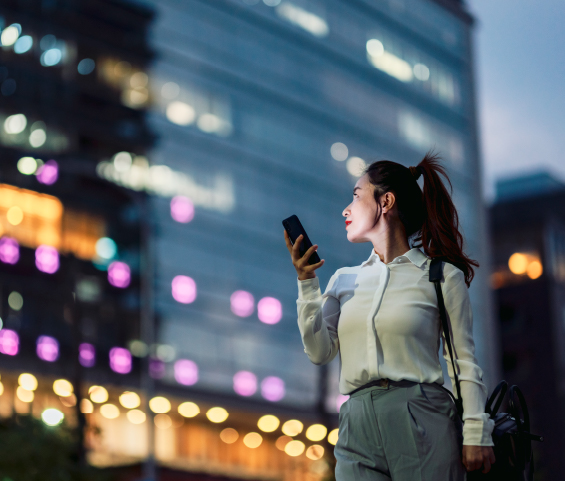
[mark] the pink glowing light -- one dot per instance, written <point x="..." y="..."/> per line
<point x="272" y="388"/>
<point x="47" y="348"/>
<point x="269" y="310"/>
<point x="9" y="342"/>
<point x="340" y="399"/>
<point x="182" y="209"/>
<point x="48" y="172"/>
<point x="186" y="372"/>
<point x="156" y="368"/>
<point x="47" y="259"/>
<point x="245" y="383"/>
<point x="9" y="250"/>
<point x="119" y="274"/>
<point x="120" y="360"/>
<point x="86" y="354"/>
<point x="242" y="303"/>
<point x="184" y="289"/>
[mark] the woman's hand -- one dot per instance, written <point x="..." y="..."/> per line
<point x="475" y="456"/>
<point x="303" y="269"/>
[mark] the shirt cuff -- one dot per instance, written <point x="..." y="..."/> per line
<point x="308" y="289"/>
<point x="478" y="433"/>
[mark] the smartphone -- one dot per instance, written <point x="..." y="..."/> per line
<point x="294" y="229"/>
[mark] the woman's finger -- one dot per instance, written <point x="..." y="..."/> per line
<point x="313" y="267"/>
<point x="307" y="254"/>
<point x="492" y="456"/>
<point x="296" y="247"/>
<point x="487" y="466"/>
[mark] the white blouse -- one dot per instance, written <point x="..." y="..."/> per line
<point x="384" y="321"/>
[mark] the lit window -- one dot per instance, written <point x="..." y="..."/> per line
<point x="86" y="66"/>
<point x="47" y="348"/>
<point x="242" y="303"/>
<point x="119" y="274"/>
<point x="272" y="388"/>
<point x="245" y="383"/>
<point x="9" y="342"/>
<point x="47" y="259"/>
<point x="183" y="289"/>
<point x="9" y="250"/>
<point x="23" y="44"/>
<point x="186" y="372"/>
<point x="120" y="360"/>
<point x="302" y="18"/>
<point x="182" y="209"/>
<point x="10" y="35"/>
<point x="269" y="310"/>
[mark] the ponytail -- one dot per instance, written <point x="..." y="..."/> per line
<point x="430" y="218"/>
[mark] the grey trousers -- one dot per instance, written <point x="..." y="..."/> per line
<point x="406" y="431"/>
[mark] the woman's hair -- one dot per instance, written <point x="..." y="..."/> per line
<point x="430" y="216"/>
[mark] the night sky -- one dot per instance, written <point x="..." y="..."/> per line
<point x="520" y="67"/>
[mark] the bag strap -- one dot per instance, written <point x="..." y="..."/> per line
<point x="435" y="276"/>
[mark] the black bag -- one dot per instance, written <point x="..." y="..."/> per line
<point x="511" y="435"/>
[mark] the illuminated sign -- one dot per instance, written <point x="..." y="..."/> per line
<point x="33" y="220"/>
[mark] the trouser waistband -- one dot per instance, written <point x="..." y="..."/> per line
<point x="385" y="383"/>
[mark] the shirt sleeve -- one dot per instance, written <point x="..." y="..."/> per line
<point x="318" y="317"/>
<point x="477" y="425"/>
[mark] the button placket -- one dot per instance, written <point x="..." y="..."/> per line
<point x="371" y="324"/>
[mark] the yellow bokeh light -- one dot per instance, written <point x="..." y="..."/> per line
<point x="252" y="440"/>
<point x="109" y="411"/>
<point x="24" y="395"/>
<point x="332" y="437"/>
<point x="316" y="432"/>
<point x="15" y="215"/>
<point x="315" y="452"/>
<point x="217" y="415"/>
<point x="292" y="427"/>
<point x="294" y="448"/>
<point x="188" y="409"/>
<point x="28" y="381"/>
<point x="1" y="388"/>
<point x="130" y="400"/>
<point x="282" y="441"/>
<point x="268" y="423"/>
<point x="229" y="435"/>
<point x="62" y="387"/>
<point x="98" y="394"/>
<point x="135" y="416"/>
<point x="534" y="269"/>
<point x="68" y="401"/>
<point x="86" y="407"/>
<point x="160" y="405"/>
<point x="518" y="263"/>
<point x="163" y="421"/>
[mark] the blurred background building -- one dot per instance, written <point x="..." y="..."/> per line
<point x="528" y="229"/>
<point x="178" y="136"/>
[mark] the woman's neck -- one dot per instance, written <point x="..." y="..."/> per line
<point x="393" y="244"/>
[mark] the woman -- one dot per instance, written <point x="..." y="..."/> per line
<point x="382" y="318"/>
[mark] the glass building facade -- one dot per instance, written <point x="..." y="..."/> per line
<point x="265" y="109"/>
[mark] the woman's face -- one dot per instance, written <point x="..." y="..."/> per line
<point x="361" y="214"/>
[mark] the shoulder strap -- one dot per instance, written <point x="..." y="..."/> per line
<point x="435" y="276"/>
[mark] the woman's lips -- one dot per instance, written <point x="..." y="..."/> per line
<point x="347" y="222"/>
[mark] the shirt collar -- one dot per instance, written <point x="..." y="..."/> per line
<point x="414" y="255"/>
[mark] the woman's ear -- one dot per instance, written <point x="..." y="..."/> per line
<point x="387" y="201"/>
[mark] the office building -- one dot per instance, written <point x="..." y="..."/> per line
<point x="528" y="232"/>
